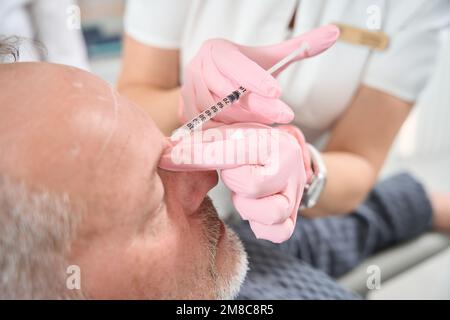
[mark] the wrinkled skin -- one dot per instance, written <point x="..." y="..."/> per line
<point x="145" y="232"/>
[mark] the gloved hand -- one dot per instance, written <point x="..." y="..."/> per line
<point x="221" y="66"/>
<point x="267" y="176"/>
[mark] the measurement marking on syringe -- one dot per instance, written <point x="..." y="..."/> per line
<point x="212" y="111"/>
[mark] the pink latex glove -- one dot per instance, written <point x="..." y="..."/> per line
<point x="221" y="66"/>
<point x="266" y="190"/>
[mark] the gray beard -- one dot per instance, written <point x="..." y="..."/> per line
<point x="226" y="287"/>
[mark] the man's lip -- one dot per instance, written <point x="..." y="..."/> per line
<point x="208" y="184"/>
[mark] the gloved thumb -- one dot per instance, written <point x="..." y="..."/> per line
<point x="315" y="42"/>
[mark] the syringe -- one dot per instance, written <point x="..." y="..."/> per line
<point x="234" y="96"/>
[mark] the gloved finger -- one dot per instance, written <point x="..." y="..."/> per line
<point x="237" y="113"/>
<point x="187" y="113"/>
<point x="293" y="130"/>
<point x="282" y="231"/>
<point x="189" y="97"/>
<point x="224" y="147"/>
<point x="187" y="103"/>
<point x="260" y="110"/>
<point x="277" y="233"/>
<point x="271" y="176"/>
<point x="199" y="95"/>
<point x="266" y="110"/>
<point x="273" y="109"/>
<point x="294" y="192"/>
<point x="187" y="157"/>
<point x="189" y="108"/>
<point x="234" y="65"/>
<point x="203" y="96"/>
<point x="317" y="41"/>
<point x="182" y="110"/>
<point x="255" y="181"/>
<point x="268" y="210"/>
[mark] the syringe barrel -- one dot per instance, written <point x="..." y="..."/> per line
<point x="210" y="112"/>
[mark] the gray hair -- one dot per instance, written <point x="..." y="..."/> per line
<point x="9" y="47"/>
<point x="36" y="232"/>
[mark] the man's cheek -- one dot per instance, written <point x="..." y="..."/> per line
<point x="104" y="274"/>
<point x="186" y="243"/>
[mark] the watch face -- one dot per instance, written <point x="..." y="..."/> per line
<point x="313" y="191"/>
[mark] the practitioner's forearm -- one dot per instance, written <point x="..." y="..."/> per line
<point x="350" y="178"/>
<point x="160" y="104"/>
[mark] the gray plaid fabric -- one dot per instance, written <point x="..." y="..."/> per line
<point x="396" y="210"/>
<point x="276" y="275"/>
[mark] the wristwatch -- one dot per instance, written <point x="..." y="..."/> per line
<point x="313" y="190"/>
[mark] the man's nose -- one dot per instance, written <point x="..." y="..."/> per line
<point x="187" y="189"/>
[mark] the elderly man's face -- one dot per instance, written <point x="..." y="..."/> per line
<point x="145" y="232"/>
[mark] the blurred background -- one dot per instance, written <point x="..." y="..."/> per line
<point x="418" y="270"/>
<point x="102" y="26"/>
